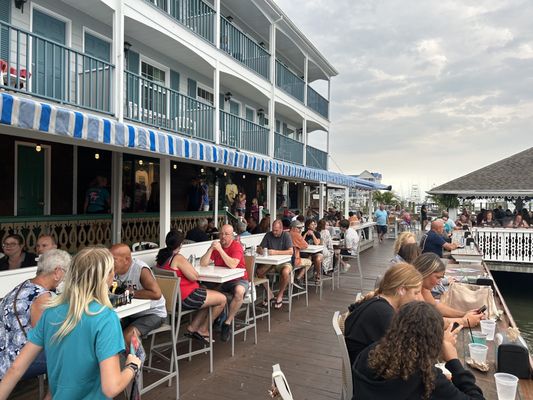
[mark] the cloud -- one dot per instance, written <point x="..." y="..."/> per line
<point x="427" y="91"/>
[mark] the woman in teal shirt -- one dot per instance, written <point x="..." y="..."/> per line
<point x="81" y="336"/>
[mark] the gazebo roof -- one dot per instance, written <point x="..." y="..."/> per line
<point x="510" y="177"/>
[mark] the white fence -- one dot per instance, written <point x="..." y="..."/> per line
<point x="505" y="244"/>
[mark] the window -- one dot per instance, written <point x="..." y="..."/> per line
<point x="153" y="73"/>
<point x="205" y="95"/>
<point x="154" y="94"/>
<point x="96" y="47"/>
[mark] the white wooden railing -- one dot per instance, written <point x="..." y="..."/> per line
<point x="505" y="244"/>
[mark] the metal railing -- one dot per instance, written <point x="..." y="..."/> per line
<point x="288" y="149"/>
<point x="316" y="102"/>
<point x="196" y="15"/>
<point x="244" y="49"/>
<point x="289" y="82"/>
<point x="316" y="158"/>
<point x="33" y="64"/>
<point x="154" y="104"/>
<point x="505" y="244"/>
<point x="243" y="134"/>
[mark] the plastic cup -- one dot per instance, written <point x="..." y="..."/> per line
<point x="488" y="326"/>
<point x="479" y="337"/>
<point x="506" y="385"/>
<point x="478" y="352"/>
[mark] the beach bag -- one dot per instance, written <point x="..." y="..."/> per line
<point x="464" y="296"/>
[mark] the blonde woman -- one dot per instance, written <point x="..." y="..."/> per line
<point x="81" y="336"/>
<point x="370" y="318"/>
<point x="403" y="238"/>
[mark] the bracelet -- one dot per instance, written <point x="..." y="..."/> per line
<point x="133" y="366"/>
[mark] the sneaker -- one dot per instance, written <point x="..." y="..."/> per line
<point x="225" y="332"/>
<point x="298" y="283"/>
<point x="346" y="267"/>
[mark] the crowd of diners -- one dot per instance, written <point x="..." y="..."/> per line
<point x="62" y="322"/>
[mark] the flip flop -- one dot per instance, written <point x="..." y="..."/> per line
<point x="197" y="336"/>
<point x="278" y="305"/>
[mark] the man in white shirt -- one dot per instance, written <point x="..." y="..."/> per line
<point x="351" y="242"/>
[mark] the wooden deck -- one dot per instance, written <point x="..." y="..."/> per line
<point x="305" y="348"/>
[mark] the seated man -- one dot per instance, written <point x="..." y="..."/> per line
<point x="199" y="233"/>
<point x="227" y="252"/>
<point x="241" y="229"/>
<point x="44" y="244"/>
<point x="433" y="242"/>
<point x="299" y="243"/>
<point x="351" y="242"/>
<point x="130" y="271"/>
<point x="277" y="242"/>
<point x="252" y="227"/>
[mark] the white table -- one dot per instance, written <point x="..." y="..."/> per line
<point x="272" y="260"/>
<point x="136" y="306"/>
<point x="219" y="274"/>
<point x="467" y="255"/>
<point x="313" y="249"/>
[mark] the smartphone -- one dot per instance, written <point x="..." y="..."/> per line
<point x="455" y="326"/>
<point x="482" y="309"/>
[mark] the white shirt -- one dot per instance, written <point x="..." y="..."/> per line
<point x="351" y="240"/>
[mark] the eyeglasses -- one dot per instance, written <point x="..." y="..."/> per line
<point x="10" y="244"/>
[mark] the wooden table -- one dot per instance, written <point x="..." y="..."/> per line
<point x="272" y="260"/>
<point x="219" y="274"/>
<point x="136" y="306"/>
<point x="313" y="249"/>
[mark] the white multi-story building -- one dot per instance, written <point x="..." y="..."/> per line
<point x="152" y="95"/>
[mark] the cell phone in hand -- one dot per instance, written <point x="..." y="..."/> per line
<point x="455" y="326"/>
<point x="482" y="309"/>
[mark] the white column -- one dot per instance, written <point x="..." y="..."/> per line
<point x="327" y="151"/>
<point x="305" y="138"/>
<point x="217" y="24"/>
<point x="74" y="180"/>
<point x="321" y="200"/>
<point x="164" y="199"/>
<point x="271" y="196"/>
<point x="116" y="196"/>
<point x="346" y="201"/>
<point x="306" y="78"/>
<point x="329" y="98"/>
<point x="370" y="207"/>
<point x="216" y="91"/>
<point x="118" y="58"/>
<point x="271" y="101"/>
<point x="215" y="201"/>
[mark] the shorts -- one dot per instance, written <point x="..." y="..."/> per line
<point x="229" y="287"/>
<point x="144" y="323"/>
<point x="345" y="252"/>
<point x="305" y="263"/>
<point x="195" y="300"/>
<point x="277" y="268"/>
<point x="382" y="229"/>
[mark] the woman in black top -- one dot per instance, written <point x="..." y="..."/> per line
<point x="15" y="256"/>
<point x="312" y="237"/>
<point x="401" y="365"/>
<point x="370" y="318"/>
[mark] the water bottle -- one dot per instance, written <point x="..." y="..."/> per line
<point x="265" y="252"/>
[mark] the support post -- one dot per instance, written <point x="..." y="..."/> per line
<point x="118" y="58"/>
<point x="164" y="200"/>
<point x="116" y="196"/>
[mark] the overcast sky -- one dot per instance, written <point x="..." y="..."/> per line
<point x="427" y="90"/>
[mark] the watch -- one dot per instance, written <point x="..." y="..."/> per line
<point x="133" y="366"/>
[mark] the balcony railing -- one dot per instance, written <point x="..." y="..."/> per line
<point x="33" y="64"/>
<point x="196" y="15"/>
<point x="316" y="158"/>
<point x="243" y="134"/>
<point x="288" y="149"/>
<point x="154" y="104"/>
<point x="244" y="49"/>
<point x="316" y="102"/>
<point x="289" y="82"/>
<point x="505" y="244"/>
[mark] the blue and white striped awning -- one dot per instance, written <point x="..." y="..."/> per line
<point x="27" y="113"/>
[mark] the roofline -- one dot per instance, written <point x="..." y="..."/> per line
<point x="330" y="69"/>
<point x="483" y="192"/>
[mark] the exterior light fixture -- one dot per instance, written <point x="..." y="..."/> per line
<point x="202" y="170"/>
<point x="20" y="5"/>
<point x="141" y="162"/>
<point x="227" y="96"/>
<point x="225" y="173"/>
<point x="243" y="176"/>
<point x="38" y="148"/>
<point x="175" y="166"/>
<point x="96" y="156"/>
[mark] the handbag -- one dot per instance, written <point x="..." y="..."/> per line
<point x="465" y="296"/>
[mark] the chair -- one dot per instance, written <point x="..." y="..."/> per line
<point x="347" y="384"/>
<point x="291" y="293"/>
<point x="280" y="383"/>
<point x="323" y="278"/>
<point x="354" y="258"/>
<point x="170" y="287"/>
<point x="249" y="322"/>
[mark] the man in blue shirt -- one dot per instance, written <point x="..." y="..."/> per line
<point x="433" y="242"/>
<point x="381" y="220"/>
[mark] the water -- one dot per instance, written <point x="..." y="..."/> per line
<point x="516" y="291"/>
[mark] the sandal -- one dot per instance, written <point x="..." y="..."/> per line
<point x="198" y="336"/>
<point x="265" y="302"/>
<point x="278" y="304"/>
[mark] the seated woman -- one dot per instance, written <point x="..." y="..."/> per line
<point x="312" y="237"/>
<point x="433" y="269"/>
<point x="462" y="221"/>
<point x="407" y="254"/>
<point x="81" y="336"/>
<point x="16" y="257"/>
<point x="518" y="222"/>
<point x="327" y="242"/>
<point x="404" y="237"/>
<point x="370" y="318"/>
<point x="193" y="297"/>
<point x="489" y="220"/>
<point x="22" y="307"/>
<point x="402" y="364"/>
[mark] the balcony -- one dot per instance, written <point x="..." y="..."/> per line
<point x="244" y="49"/>
<point x="288" y="149"/>
<point x="242" y="134"/>
<point x="289" y="82"/>
<point x="153" y="104"/>
<point x="317" y="102"/>
<point x="316" y="158"/>
<point x="31" y="64"/>
<point x="196" y="15"/>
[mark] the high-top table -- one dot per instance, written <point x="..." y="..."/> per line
<point x="219" y="274"/>
<point x="136" y="306"/>
<point x="313" y="249"/>
<point x="273" y="259"/>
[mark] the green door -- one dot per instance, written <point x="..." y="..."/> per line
<point x="5" y="8"/>
<point x="48" y="58"/>
<point x="30" y="181"/>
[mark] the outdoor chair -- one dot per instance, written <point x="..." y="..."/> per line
<point x="320" y="283"/>
<point x="347" y="384"/>
<point x="292" y="291"/>
<point x="353" y="258"/>
<point x="280" y="384"/>
<point x="170" y="287"/>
